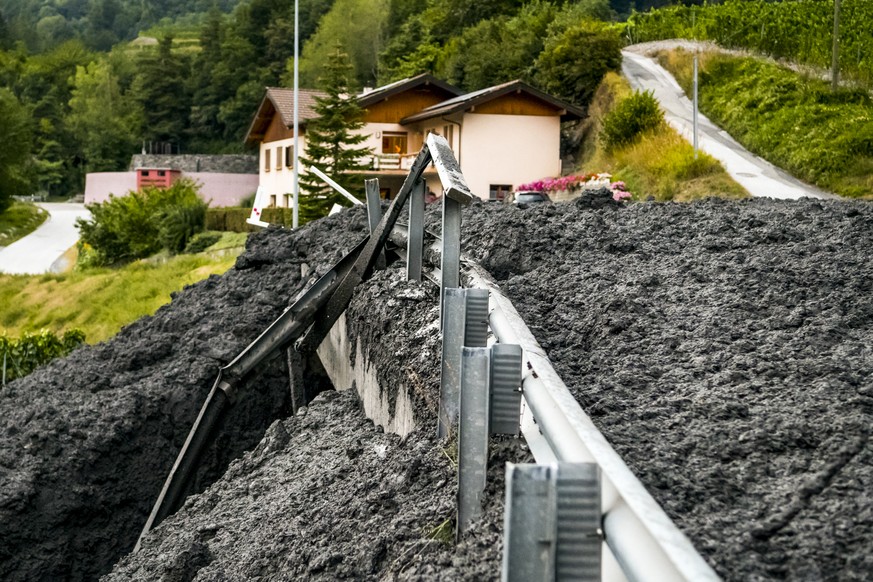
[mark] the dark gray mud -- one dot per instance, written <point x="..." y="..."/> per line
<point x="724" y="349"/>
<point x="86" y="442"/>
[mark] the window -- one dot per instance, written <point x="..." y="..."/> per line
<point x="161" y="173"/>
<point x="279" y="158"/>
<point x="267" y="160"/>
<point x="272" y="201"/>
<point x="498" y="191"/>
<point x="393" y="142"/>
<point x="449" y="133"/>
<point x="289" y="157"/>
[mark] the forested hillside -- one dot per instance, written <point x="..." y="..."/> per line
<point x="84" y="83"/>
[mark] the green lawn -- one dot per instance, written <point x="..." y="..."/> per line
<point x="102" y="301"/>
<point x="19" y="220"/>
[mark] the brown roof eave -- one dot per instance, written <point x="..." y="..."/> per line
<point x="569" y="112"/>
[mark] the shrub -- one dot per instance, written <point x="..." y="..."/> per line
<point x="202" y="241"/>
<point x="19" y="357"/>
<point x="142" y="223"/>
<point x="632" y="116"/>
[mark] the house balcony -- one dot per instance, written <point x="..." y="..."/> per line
<point x="387" y="162"/>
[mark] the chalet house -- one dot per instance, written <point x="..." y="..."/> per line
<point x="502" y="136"/>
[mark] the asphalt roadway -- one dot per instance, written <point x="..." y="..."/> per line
<point x="758" y="176"/>
<point x="40" y="251"/>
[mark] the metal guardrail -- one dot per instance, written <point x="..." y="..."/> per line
<point x="644" y="541"/>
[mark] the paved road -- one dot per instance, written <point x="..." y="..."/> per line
<point x="758" y="176"/>
<point x="40" y="250"/>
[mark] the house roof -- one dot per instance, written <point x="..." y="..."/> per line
<point x="386" y="91"/>
<point x="467" y="101"/>
<point x="280" y="100"/>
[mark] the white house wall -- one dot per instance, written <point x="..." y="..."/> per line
<point x="278" y="182"/>
<point x="508" y="149"/>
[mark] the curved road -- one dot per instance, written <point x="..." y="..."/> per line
<point x="37" y="252"/>
<point x="758" y="176"/>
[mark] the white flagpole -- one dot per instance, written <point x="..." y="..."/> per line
<point x="296" y="185"/>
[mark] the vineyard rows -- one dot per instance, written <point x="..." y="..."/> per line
<point x="800" y="31"/>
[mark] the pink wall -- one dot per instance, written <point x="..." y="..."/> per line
<point x="217" y="189"/>
<point x="99" y="185"/>
<point x="224" y="189"/>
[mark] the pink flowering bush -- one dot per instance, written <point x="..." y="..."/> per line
<point x="579" y="182"/>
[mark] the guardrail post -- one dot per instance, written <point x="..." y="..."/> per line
<point x="415" y="240"/>
<point x="465" y="325"/>
<point x="552" y="523"/>
<point x="374" y="204"/>
<point x="472" y="435"/>
<point x="505" y="398"/>
<point x="450" y="377"/>
<point x="374" y="213"/>
<point x="450" y="263"/>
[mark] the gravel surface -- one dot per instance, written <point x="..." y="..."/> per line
<point x="723" y="348"/>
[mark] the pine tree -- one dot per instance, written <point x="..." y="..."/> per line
<point x="331" y="141"/>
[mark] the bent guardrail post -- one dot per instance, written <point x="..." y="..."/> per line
<point x="552" y="523"/>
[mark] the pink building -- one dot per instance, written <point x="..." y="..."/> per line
<point x="223" y="180"/>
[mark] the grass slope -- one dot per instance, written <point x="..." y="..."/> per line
<point x="19" y="220"/>
<point x="102" y="301"/>
<point x="793" y="121"/>
<point x="659" y="164"/>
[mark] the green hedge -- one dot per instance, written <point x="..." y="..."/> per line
<point x="233" y="219"/>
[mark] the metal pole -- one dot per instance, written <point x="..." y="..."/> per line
<point x="454" y="321"/>
<point x="835" y="62"/>
<point x="450" y="266"/>
<point x="374" y="206"/>
<point x="473" y="435"/>
<point x="415" y="243"/>
<point x="296" y="186"/>
<point x="694" y="116"/>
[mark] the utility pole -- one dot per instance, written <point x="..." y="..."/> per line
<point x="694" y="112"/>
<point x="296" y="174"/>
<point x="835" y="63"/>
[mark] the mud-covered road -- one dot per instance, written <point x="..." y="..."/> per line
<point x="723" y="348"/>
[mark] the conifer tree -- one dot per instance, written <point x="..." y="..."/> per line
<point x="331" y="141"/>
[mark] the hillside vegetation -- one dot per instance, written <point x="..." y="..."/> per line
<point x="795" y="122"/>
<point x="657" y="162"/>
<point x="801" y="32"/>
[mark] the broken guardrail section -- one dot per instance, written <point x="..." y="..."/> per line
<point x="307" y="323"/>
